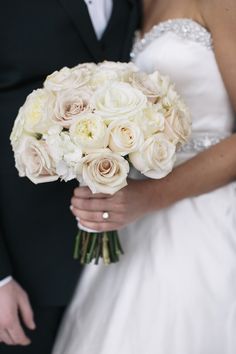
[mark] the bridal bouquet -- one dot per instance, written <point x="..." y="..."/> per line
<point x="90" y="123"/>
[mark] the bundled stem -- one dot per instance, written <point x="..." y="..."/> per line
<point x="93" y="246"/>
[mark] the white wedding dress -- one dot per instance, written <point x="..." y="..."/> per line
<point x="174" y="290"/>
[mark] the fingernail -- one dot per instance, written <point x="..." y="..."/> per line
<point x="27" y="342"/>
<point x="77" y="218"/>
<point x="71" y="207"/>
<point x="33" y="326"/>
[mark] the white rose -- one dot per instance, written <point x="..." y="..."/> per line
<point x="103" y="76"/>
<point x="18" y="129"/>
<point x="125" y="136"/>
<point x="37" y="111"/>
<point x="152" y="121"/>
<point x="67" y="78"/>
<point x="89" y="132"/>
<point x="104" y="171"/>
<point x="123" y="70"/>
<point x="90" y="67"/>
<point x="69" y="104"/>
<point x="118" y="66"/>
<point x="118" y="100"/>
<point x="178" y="124"/>
<point x="162" y="82"/>
<point x="170" y="101"/>
<point x="156" y="158"/>
<point x="33" y="160"/>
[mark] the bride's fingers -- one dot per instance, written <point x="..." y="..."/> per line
<point x="100" y="227"/>
<point x="96" y="216"/>
<point x="82" y="192"/>
<point x="85" y="192"/>
<point x="94" y="204"/>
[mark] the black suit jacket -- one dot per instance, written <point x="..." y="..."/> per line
<point x="37" y="229"/>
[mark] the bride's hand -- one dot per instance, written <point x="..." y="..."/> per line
<point x="125" y="206"/>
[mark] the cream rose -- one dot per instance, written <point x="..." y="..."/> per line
<point x="178" y="124"/>
<point x="118" y="66"/>
<point x="104" y="171"/>
<point x="123" y="71"/>
<point x="152" y="121"/>
<point x="125" y="136"/>
<point x="89" y="67"/>
<point x="68" y="78"/>
<point x="69" y="104"/>
<point x="37" y="111"/>
<point x="18" y="129"/>
<point x="33" y="160"/>
<point x="89" y="132"/>
<point x="156" y="157"/>
<point x="103" y="75"/>
<point x="118" y="100"/>
<point x="162" y="82"/>
<point x="144" y="83"/>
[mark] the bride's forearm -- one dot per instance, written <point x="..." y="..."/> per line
<point x="207" y="171"/>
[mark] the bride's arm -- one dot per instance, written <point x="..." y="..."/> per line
<point x="220" y="18"/>
<point x="207" y="171"/>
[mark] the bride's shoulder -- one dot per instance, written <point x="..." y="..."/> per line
<point x="219" y="15"/>
<point x="220" y="18"/>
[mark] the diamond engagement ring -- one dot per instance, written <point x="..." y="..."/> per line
<point x="105" y="215"/>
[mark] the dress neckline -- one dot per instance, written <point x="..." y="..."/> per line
<point x="183" y="27"/>
<point x="185" y="19"/>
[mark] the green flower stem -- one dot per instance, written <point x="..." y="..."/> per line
<point x="86" y="240"/>
<point x="99" y="247"/>
<point x="119" y="244"/>
<point x="117" y="248"/>
<point x="105" y="250"/>
<point x="110" y="246"/>
<point x="77" y="245"/>
<point x="94" y="246"/>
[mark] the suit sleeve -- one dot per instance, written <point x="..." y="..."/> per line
<point x="140" y="14"/>
<point x="5" y="265"/>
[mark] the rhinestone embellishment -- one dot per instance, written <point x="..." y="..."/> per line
<point x="184" y="28"/>
<point x="203" y="142"/>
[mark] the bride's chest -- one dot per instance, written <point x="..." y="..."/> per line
<point x="182" y="50"/>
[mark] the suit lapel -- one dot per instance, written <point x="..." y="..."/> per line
<point x="78" y="13"/>
<point x="115" y="15"/>
<point x="133" y="23"/>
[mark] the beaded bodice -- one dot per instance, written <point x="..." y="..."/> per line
<point x="185" y="28"/>
<point x="183" y="50"/>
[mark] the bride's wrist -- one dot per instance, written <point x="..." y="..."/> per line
<point x="161" y="193"/>
<point x="155" y="196"/>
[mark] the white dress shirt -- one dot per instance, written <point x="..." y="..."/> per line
<point x="5" y="281"/>
<point x="100" y="13"/>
